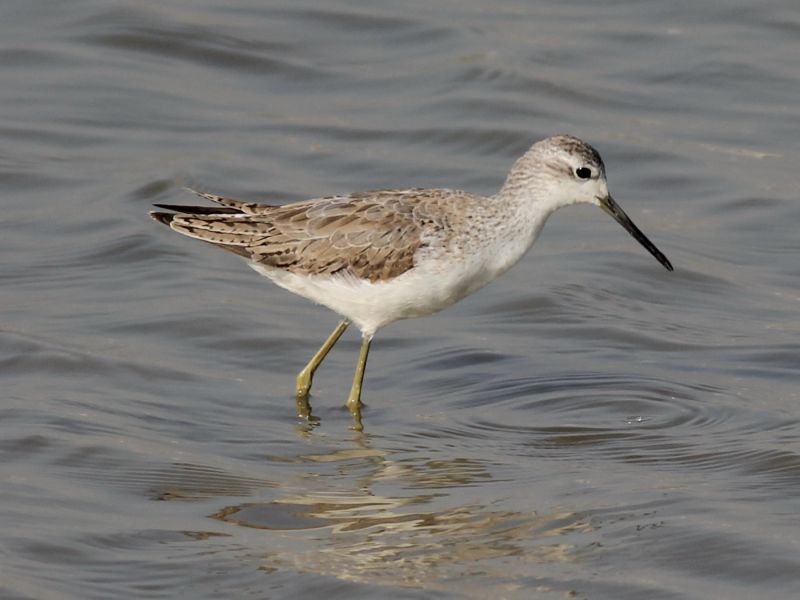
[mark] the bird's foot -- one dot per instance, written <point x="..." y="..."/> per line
<point x="304" y="407"/>
<point x="354" y="405"/>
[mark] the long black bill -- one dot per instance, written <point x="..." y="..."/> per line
<point x="612" y="208"/>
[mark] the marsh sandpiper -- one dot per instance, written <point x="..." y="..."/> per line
<point x="381" y="256"/>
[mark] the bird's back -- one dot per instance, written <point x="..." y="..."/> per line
<point x="373" y="236"/>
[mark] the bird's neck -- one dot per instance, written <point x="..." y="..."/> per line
<point x="524" y="215"/>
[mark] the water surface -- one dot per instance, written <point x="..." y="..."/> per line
<point x="589" y="425"/>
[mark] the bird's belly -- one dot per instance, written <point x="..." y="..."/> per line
<point x="372" y="305"/>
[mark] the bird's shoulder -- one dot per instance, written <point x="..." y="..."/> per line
<point x="381" y="211"/>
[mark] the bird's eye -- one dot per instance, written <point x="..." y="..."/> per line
<point x="583" y="172"/>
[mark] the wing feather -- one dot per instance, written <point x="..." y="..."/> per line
<point x="369" y="235"/>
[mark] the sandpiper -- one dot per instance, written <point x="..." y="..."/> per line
<point x="380" y="256"/>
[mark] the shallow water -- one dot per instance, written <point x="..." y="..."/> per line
<point x="588" y="425"/>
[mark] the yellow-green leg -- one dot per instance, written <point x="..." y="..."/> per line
<point x="354" y="399"/>
<point x="305" y="376"/>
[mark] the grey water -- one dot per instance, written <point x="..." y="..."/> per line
<point x="588" y="426"/>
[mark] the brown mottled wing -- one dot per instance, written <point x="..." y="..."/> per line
<point x="231" y="206"/>
<point x="370" y="235"/>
